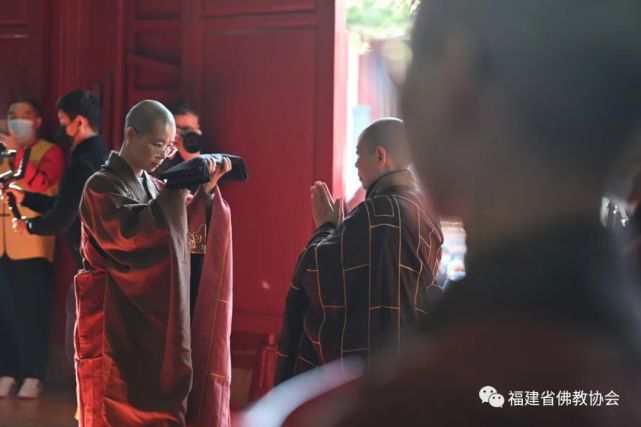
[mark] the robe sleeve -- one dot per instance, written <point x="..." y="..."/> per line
<point x="297" y="302"/>
<point x="330" y="233"/>
<point x="322" y="233"/>
<point x="124" y="228"/>
<point x="292" y="331"/>
<point x="38" y="202"/>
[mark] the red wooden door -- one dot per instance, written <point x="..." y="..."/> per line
<point x="24" y="27"/>
<point x="263" y="73"/>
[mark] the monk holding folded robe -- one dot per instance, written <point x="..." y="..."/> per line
<point x="133" y="351"/>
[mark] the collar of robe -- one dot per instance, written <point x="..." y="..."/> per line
<point x="394" y="179"/>
<point x="119" y="167"/>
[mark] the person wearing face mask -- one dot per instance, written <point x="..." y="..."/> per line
<point x="25" y="261"/>
<point x="187" y="124"/>
<point x="79" y="115"/>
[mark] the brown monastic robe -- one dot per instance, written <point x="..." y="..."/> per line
<point x="211" y="325"/>
<point x="136" y="351"/>
<point x="364" y="285"/>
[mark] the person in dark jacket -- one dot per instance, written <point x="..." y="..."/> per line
<point x="79" y="115"/>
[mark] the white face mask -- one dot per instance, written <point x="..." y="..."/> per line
<point x="23" y="130"/>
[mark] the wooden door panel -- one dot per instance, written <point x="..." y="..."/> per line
<point x="259" y="103"/>
<point x="235" y="7"/>
<point x="264" y="80"/>
<point x="24" y="68"/>
<point x="157" y="9"/>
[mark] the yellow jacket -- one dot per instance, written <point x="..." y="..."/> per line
<point x="26" y="246"/>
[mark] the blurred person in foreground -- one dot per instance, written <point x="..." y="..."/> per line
<point x="536" y="110"/>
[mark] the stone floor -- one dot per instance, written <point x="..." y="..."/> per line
<point x="55" y="408"/>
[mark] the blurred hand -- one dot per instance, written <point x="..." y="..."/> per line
<point x="20" y="225"/>
<point x="324" y="207"/>
<point x="216" y="172"/>
<point x="17" y="192"/>
<point x="9" y="141"/>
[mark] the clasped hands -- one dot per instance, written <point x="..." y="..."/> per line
<point x="324" y="207"/>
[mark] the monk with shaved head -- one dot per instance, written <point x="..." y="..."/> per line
<point x="133" y="348"/>
<point x="363" y="284"/>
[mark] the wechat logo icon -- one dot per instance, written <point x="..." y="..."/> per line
<point x="488" y="394"/>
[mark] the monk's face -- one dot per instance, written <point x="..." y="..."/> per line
<point x="368" y="164"/>
<point x="150" y="149"/>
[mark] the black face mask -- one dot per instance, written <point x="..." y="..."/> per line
<point x="63" y="138"/>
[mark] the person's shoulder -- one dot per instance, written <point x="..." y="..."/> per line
<point x="491" y="351"/>
<point x="99" y="147"/>
<point x="45" y="143"/>
<point x="101" y="181"/>
<point x="49" y="147"/>
<point x="410" y="198"/>
<point x="386" y="204"/>
<point x="90" y="160"/>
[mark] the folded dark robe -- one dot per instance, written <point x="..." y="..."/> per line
<point x="194" y="172"/>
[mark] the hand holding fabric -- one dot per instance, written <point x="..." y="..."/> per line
<point x="216" y="172"/>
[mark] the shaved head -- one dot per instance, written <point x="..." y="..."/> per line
<point x="150" y="131"/>
<point x="388" y="133"/>
<point x="382" y="147"/>
<point x="146" y="114"/>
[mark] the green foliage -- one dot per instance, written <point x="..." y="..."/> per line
<point x="381" y="19"/>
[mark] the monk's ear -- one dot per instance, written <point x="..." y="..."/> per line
<point x="130" y="134"/>
<point x="381" y="155"/>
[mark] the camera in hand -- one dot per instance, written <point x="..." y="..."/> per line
<point x="192" y="141"/>
<point x="14" y="175"/>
